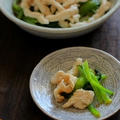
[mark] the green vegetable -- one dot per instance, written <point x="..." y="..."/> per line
<point x="20" y="14"/>
<point x="101" y="87"/>
<point x="17" y="9"/>
<point x="81" y="81"/>
<point x="30" y="20"/>
<point x="105" y="97"/>
<point x="100" y="76"/>
<point x="99" y="90"/>
<point x="89" y="78"/>
<point x="88" y="8"/>
<point x="94" y="111"/>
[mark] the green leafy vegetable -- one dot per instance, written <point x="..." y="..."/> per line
<point x="81" y="81"/>
<point x="99" y="90"/>
<point x="30" y="20"/>
<point x="88" y="8"/>
<point x="17" y="9"/>
<point x="99" y="75"/>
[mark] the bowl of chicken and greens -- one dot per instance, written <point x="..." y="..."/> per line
<point x="59" y="17"/>
<point x="77" y="83"/>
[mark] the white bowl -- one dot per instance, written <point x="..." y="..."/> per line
<point x="6" y="8"/>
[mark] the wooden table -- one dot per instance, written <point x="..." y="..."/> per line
<point x="21" y="51"/>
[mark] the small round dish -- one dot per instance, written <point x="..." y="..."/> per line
<point x="42" y="90"/>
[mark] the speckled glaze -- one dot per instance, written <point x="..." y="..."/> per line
<point x="55" y="33"/>
<point x="42" y="90"/>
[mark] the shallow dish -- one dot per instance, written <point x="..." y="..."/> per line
<point x="6" y="8"/>
<point x="42" y="91"/>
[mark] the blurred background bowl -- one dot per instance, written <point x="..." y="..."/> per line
<point x="6" y="8"/>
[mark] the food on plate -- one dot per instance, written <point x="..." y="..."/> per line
<point x="65" y="83"/>
<point x="79" y="85"/>
<point x="80" y="99"/>
<point x="60" y="13"/>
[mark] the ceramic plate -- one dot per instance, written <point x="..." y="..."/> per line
<point x="42" y="91"/>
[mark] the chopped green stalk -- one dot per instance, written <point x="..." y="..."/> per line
<point x="90" y="79"/>
<point x="100" y="91"/>
<point x="97" y="91"/>
<point x="105" y="97"/>
<point x="102" y="96"/>
<point x="94" y="111"/>
<point x="101" y="87"/>
<point x="98" y="95"/>
<point x="81" y="73"/>
<point x="81" y="81"/>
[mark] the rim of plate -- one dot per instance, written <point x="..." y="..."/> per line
<point x="59" y="50"/>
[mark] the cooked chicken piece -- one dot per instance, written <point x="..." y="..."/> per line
<point x="62" y="15"/>
<point x="57" y="5"/>
<point x="80" y="99"/>
<point x="74" y="70"/>
<point x="61" y="75"/>
<point x="61" y="87"/>
<point x="78" y="24"/>
<point x="36" y="7"/>
<point x="25" y="4"/>
<point x="58" y="77"/>
<point x="54" y="3"/>
<point x="53" y="9"/>
<point x="76" y="18"/>
<point x="65" y="83"/>
<point x="42" y="7"/>
<point x="67" y="3"/>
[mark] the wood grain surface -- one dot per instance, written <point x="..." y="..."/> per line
<point x="21" y="51"/>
